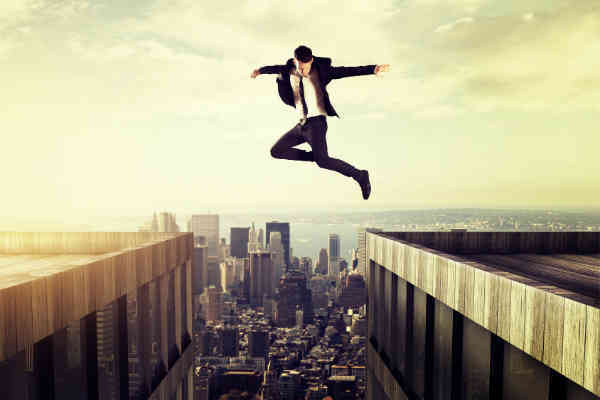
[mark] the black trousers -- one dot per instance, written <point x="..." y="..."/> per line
<point x="312" y="131"/>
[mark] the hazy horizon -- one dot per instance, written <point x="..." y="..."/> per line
<point x="122" y="108"/>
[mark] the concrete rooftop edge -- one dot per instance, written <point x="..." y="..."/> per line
<point x="552" y="326"/>
<point x="37" y="308"/>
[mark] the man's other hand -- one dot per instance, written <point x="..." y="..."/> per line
<point x="255" y="73"/>
<point x="382" y="68"/>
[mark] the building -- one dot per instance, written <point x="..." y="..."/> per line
<point x="206" y="225"/>
<point x="258" y="343"/>
<point x="290" y="385"/>
<point x="362" y="248"/>
<point x="200" y="271"/>
<point x="224" y="250"/>
<point x="353" y="291"/>
<point x="512" y="315"/>
<point x="128" y="337"/>
<point x="270" y="385"/>
<point x="342" y="387"/>
<point x="323" y="262"/>
<point x="228" y="341"/>
<point x="277" y="254"/>
<point x="231" y="270"/>
<point x="261" y="276"/>
<point x="306" y="267"/>
<point x="293" y="294"/>
<point x="212" y="304"/>
<point x="203" y="375"/>
<point x="239" y="242"/>
<point x="334" y="250"/>
<point x="284" y="229"/>
<point x="164" y="222"/>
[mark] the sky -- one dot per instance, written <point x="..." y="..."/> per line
<point x="124" y="108"/>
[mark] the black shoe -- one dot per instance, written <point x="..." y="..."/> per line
<point x="365" y="184"/>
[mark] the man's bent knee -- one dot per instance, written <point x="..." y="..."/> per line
<point x="275" y="152"/>
<point x="322" y="162"/>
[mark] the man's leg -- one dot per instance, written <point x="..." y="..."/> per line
<point x="284" y="147"/>
<point x="315" y="132"/>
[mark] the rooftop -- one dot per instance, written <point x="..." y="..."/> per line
<point x="566" y="264"/>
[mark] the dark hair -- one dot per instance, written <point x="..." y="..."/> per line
<point x="303" y="53"/>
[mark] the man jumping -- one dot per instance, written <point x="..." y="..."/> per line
<point x="309" y="96"/>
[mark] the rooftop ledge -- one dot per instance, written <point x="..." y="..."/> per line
<point x="48" y="279"/>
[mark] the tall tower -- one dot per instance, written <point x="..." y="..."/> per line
<point x="261" y="276"/>
<point x="362" y="248"/>
<point x="207" y="225"/>
<point x="239" y="242"/>
<point x="323" y="261"/>
<point x="277" y="254"/>
<point x="284" y="228"/>
<point x="334" y="254"/>
<point x="270" y="385"/>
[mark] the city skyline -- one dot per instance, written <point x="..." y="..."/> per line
<point x="485" y="104"/>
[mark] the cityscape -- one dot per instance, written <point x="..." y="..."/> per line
<point x="269" y="322"/>
<point x="318" y="200"/>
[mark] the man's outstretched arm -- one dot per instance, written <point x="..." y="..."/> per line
<point x="268" y="69"/>
<point x="344" y="72"/>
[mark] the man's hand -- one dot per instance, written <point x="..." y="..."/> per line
<point x="382" y="68"/>
<point x="255" y="73"/>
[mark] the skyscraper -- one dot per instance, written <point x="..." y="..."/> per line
<point x="261" y="276"/>
<point x="164" y="222"/>
<point x="277" y="254"/>
<point x="258" y="343"/>
<point x="206" y="225"/>
<point x="284" y="228"/>
<point x="239" y="242"/>
<point x="253" y="243"/>
<point x="200" y="271"/>
<point x="323" y="261"/>
<point x="362" y="248"/>
<point x="293" y="294"/>
<point x="334" y="254"/>
<point x="212" y="303"/>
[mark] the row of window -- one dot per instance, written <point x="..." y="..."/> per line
<point x="436" y="353"/>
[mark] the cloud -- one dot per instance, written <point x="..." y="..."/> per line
<point x="452" y="25"/>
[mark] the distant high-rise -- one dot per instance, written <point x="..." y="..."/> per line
<point x="253" y="243"/>
<point x="306" y="267"/>
<point x="260" y="238"/>
<point x="164" y="222"/>
<point x="200" y="270"/>
<point x="284" y="228"/>
<point x="323" y="261"/>
<point x="228" y="341"/>
<point x="224" y="250"/>
<point x="334" y="254"/>
<point x="362" y="248"/>
<point x="239" y="242"/>
<point x="258" y="343"/>
<point x="228" y="276"/>
<point x="261" y="276"/>
<point x="277" y="254"/>
<point x="293" y="294"/>
<point x="212" y="304"/>
<point x="206" y="225"/>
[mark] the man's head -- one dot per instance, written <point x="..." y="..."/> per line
<point x="303" y="58"/>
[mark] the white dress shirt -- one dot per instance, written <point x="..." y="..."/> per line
<point x="313" y="96"/>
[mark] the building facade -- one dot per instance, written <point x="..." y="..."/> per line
<point x="261" y="276"/>
<point x="206" y="225"/>
<point x="104" y="315"/>
<point x="239" y="242"/>
<point x="284" y="229"/>
<point x="486" y="315"/>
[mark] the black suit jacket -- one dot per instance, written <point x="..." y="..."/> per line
<point x="326" y="74"/>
